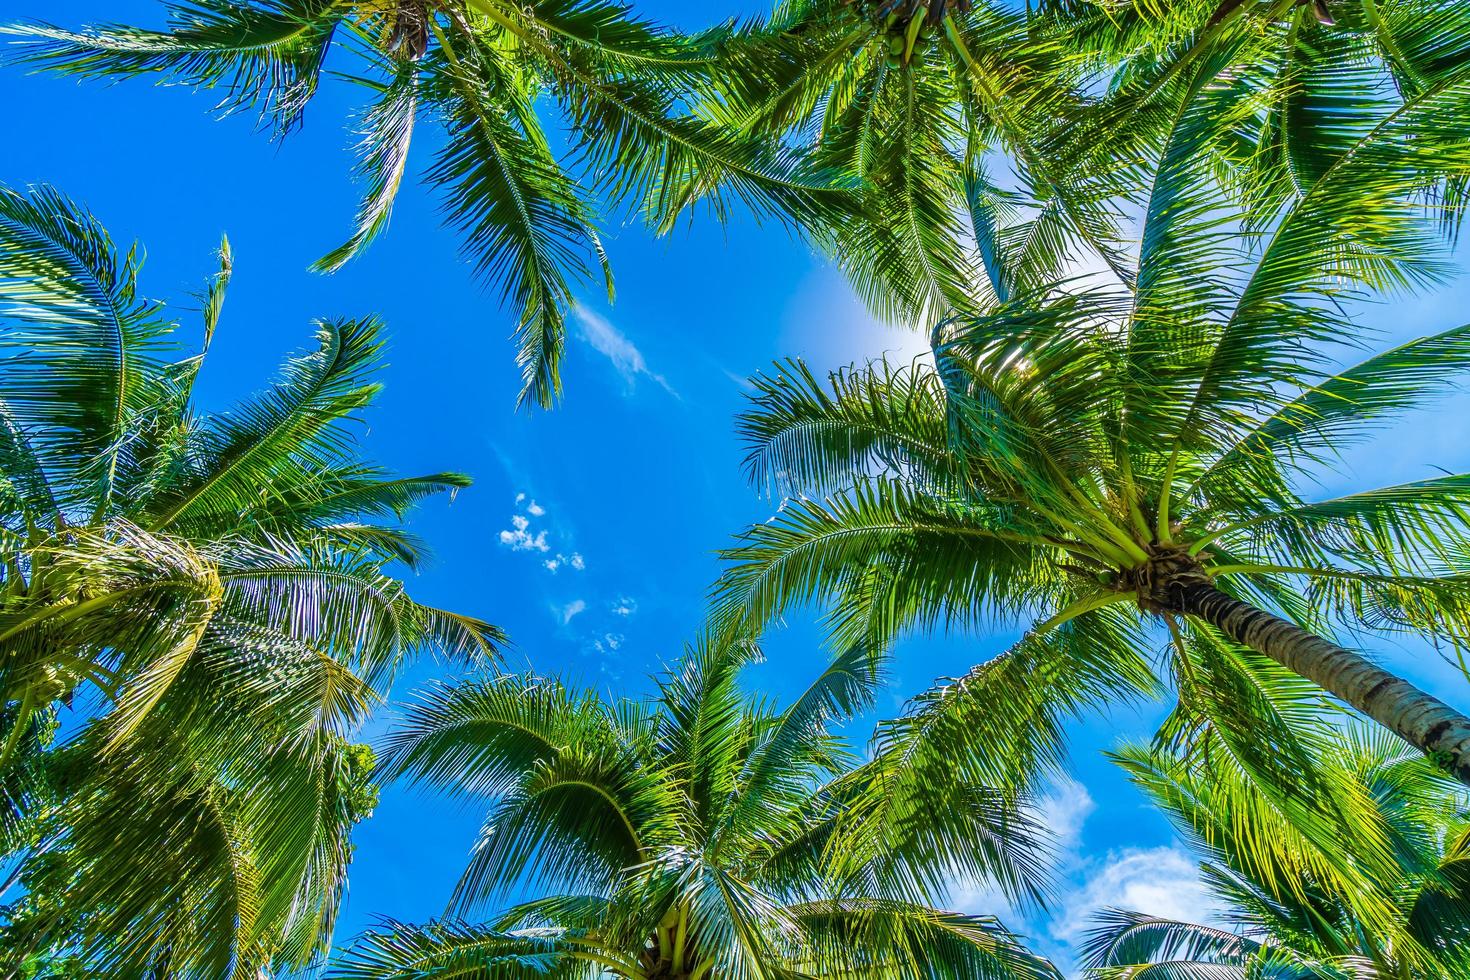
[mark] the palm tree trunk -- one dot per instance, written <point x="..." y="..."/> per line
<point x="1423" y="720"/>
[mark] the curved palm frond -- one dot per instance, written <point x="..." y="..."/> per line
<point x="268" y="55"/>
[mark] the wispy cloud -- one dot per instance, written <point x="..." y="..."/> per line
<point x="572" y="609"/>
<point x="608" y="642"/>
<point x="623" y="605"/>
<point x="1161" y="881"/>
<point x="1065" y="809"/>
<point x="741" y="381"/>
<point x="614" y="345"/>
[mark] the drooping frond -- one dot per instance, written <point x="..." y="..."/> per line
<point x="479" y="738"/>
<point x="526" y="227"/>
<point x="579" y="821"/>
<point x="266" y="55"/>
<point x="387" y="131"/>
<point x="897" y="941"/>
<point x="1123" y="938"/>
<point x="397" y="951"/>
<point x="345" y="604"/>
<point x="86" y="351"/>
<point x="1003" y="723"/>
<point x="803" y="438"/>
<point x="889" y="558"/>
<point x="342" y="494"/>
<point x="1340" y="410"/>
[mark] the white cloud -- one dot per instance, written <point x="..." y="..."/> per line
<point x="982" y="899"/>
<point x="1162" y="881"/>
<point x="523" y="536"/>
<point x="574" y="560"/>
<point x="608" y="643"/>
<point x="623" y="606"/>
<point x="518" y="536"/>
<point x="572" y="609"/>
<point x="1065" y="809"/>
<point x="612" y="344"/>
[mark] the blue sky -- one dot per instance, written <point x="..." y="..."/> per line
<point x="590" y="531"/>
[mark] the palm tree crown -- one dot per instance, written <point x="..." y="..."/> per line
<point x="478" y="69"/>
<point x="939" y="109"/>
<point x="1288" y="920"/>
<point x="1319" y="71"/>
<point x="704" y="833"/>
<point x="909" y="101"/>
<point x="1118" y="460"/>
<point x="213" y="593"/>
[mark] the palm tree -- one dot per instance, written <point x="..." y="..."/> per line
<point x="1288" y="922"/>
<point x="477" y="68"/>
<point x="703" y="833"/>
<point x="928" y="103"/>
<point x="1111" y="465"/>
<point x="1320" y="72"/>
<point x="211" y="592"/>
<point x="910" y="100"/>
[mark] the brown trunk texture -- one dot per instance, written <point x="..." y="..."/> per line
<point x="1423" y="720"/>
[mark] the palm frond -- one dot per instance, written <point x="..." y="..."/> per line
<point x="479" y="738"/>
<point x="804" y="437"/>
<point x="298" y="424"/>
<point x="525" y="224"/>
<point x="890" y="558"/>
<point x="267" y="55"/>
<point x="387" y="131"/>
<point x="896" y="941"/>
<point x="397" y="951"/>
<point x="1122" y="937"/>
<point x="92" y="347"/>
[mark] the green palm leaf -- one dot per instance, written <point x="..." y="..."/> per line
<point x="268" y="55"/>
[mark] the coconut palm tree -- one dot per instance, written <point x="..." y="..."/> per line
<point x="1286" y="921"/>
<point x="702" y="833"/>
<point x="1113" y="467"/>
<point x="1309" y="79"/>
<point x="1319" y="71"/>
<point x="477" y="68"/>
<point x="210" y="592"/>
<point x="911" y="100"/>
<point x="929" y="103"/>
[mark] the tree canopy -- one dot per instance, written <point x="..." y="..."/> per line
<point x="704" y="832"/>
<point x="212" y="596"/>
